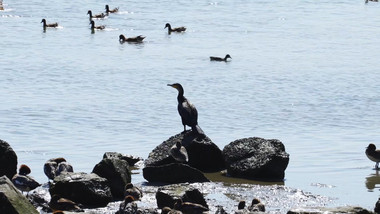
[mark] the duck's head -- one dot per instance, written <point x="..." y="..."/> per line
<point x="107" y="7"/>
<point x="121" y="37"/>
<point x="241" y="205"/>
<point x="179" y="144"/>
<point x="256" y="201"/>
<point x="371" y="147"/>
<point x="89" y="12"/>
<point x="43" y="21"/>
<point x="228" y="56"/>
<point x="176" y="86"/>
<point x="167" y="26"/>
<point x="128" y="186"/>
<point x="92" y="22"/>
<point x="24" y="170"/>
<point x="59" y="160"/>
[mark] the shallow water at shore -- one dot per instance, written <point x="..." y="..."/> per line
<point x="303" y="72"/>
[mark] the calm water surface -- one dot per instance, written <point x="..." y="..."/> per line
<point x="304" y="72"/>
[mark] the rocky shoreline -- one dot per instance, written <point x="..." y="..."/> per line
<point x="172" y="183"/>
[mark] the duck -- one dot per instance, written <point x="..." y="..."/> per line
<point x="128" y="206"/>
<point x="52" y="25"/>
<point x="179" y="152"/>
<point x="136" y="39"/>
<point x="131" y="190"/>
<point x="55" y="166"/>
<point x="24" y="182"/>
<point x="256" y="206"/>
<point x="97" y="16"/>
<point x="241" y="208"/>
<point x="93" y="27"/>
<point x="373" y="154"/>
<point x="213" y="58"/>
<point x="188" y="207"/>
<point x="366" y="1"/>
<point x="63" y="204"/>
<point x="168" y="210"/>
<point x="111" y="11"/>
<point x="177" y="29"/>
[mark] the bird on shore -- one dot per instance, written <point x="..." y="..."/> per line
<point x="93" y="27"/>
<point x="373" y="154"/>
<point x="177" y="29"/>
<point x="179" y="153"/>
<point x="136" y="39"/>
<point x="131" y="190"/>
<point x="128" y="206"/>
<point x="256" y="206"/>
<point x="97" y="16"/>
<point x="55" y="166"/>
<point x="219" y="59"/>
<point x="188" y="207"/>
<point x="241" y="208"/>
<point x="168" y="210"/>
<point x="63" y="204"/>
<point x="187" y="111"/>
<point x="52" y="25"/>
<point x="111" y="11"/>
<point x="24" y="182"/>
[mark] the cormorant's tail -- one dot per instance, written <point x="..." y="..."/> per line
<point x="197" y="130"/>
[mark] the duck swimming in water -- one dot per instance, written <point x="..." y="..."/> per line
<point x="93" y="27"/>
<point x="111" y="11"/>
<point x="97" y="16"/>
<point x="136" y="39"/>
<point x="24" y="182"/>
<point x="177" y="29"/>
<point x="219" y="59"/>
<point x="52" y="25"/>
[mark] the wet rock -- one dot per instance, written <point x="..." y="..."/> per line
<point x="164" y="199"/>
<point x="132" y="160"/>
<point x="202" y="152"/>
<point x="12" y="201"/>
<point x="128" y="206"/>
<point x="194" y="196"/>
<point x="336" y="210"/>
<point x="173" y="173"/>
<point x="116" y="171"/>
<point x="256" y="158"/>
<point x="8" y="160"/>
<point x="87" y="189"/>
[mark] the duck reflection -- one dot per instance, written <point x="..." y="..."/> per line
<point x="373" y="181"/>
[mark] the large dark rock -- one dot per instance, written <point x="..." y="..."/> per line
<point x="203" y="153"/>
<point x="116" y="171"/>
<point x="173" y="173"/>
<point x="256" y="158"/>
<point x="87" y="189"/>
<point x="12" y="201"/>
<point x="194" y="196"/>
<point x="164" y="199"/>
<point x="8" y="160"/>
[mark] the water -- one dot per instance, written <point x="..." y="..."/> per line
<point x="304" y="72"/>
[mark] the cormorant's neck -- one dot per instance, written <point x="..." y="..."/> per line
<point x="180" y="96"/>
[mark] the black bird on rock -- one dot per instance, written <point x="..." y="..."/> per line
<point x="187" y="111"/>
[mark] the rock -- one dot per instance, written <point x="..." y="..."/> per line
<point x="12" y="201"/>
<point x="173" y="173"/>
<point x="336" y="210"/>
<point x="164" y="199"/>
<point x="256" y="158"/>
<point x="128" y="206"/>
<point x="86" y="189"/>
<point x="203" y="153"/>
<point x="116" y="171"/>
<point x="194" y="196"/>
<point x="132" y="160"/>
<point x="8" y="160"/>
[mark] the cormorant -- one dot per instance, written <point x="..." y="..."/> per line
<point x="187" y="111"/>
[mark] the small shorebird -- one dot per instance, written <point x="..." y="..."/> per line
<point x="133" y="191"/>
<point x="213" y="58"/>
<point x="373" y="154"/>
<point x="177" y="29"/>
<point x="24" y="182"/>
<point x="48" y="25"/>
<point x="111" y="11"/>
<point x="179" y="152"/>
<point x="136" y="39"/>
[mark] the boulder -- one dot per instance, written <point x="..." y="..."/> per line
<point x="256" y="158"/>
<point x="194" y="196"/>
<point x="132" y="160"/>
<point x="87" y="189"/>
<point x="12" y="201"/>
<point x="116" y="171"/>
<point x="8" y="160"/>
<point x="203" y="153"/>
<point x="173" y="173"/>
<point x="164" y="199"/>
